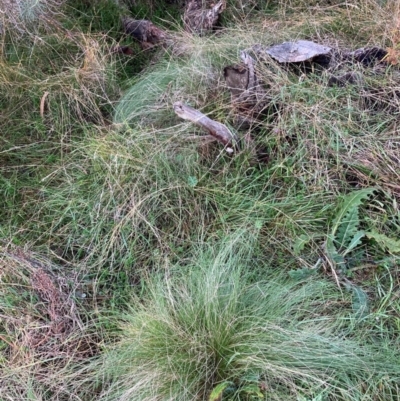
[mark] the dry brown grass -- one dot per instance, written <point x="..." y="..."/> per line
<point x="42" y="329"/>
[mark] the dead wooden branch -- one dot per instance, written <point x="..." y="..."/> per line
<point x="145" y="32"/>
<point x="300" y="51"/>
<point x="217" y="130"/>
<point x="248" y="95"/>
<point x="198" y="20"/>
<point x="367" y="56"/>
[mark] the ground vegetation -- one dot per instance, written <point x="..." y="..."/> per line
<point x="139" y="260"/>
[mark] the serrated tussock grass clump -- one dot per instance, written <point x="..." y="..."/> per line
<point x="210" y="322"/>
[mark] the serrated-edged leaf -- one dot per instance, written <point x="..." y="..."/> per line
<point x="218" y="391"/>
<point x="356" y="240"/>
<point x="390" y="244"/>
<point x="347" y="228"/>
<point x="350" y="202"/>
<point x="360" y="302"/>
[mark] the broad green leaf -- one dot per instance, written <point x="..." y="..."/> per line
<point x="333" y="254"/>
<point x="346" y="221"/>
<point x="344" y="235"/>
<point x="349" y="203"/>
<point x="347" y="228"/>
<point x="300" y="243"/>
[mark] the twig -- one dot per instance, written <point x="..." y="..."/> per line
<point x="216" y="129"/>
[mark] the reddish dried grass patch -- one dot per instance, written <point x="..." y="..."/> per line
<point x="44" y="330"/>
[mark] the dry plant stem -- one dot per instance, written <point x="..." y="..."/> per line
<point x="216" y="129"/>
<point x="11" y="345"/>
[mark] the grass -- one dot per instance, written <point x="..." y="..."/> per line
<point x="211" y="322"/>
<point x="140" y="261"/>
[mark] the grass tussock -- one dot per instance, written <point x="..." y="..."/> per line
<point x="210" y="322"/>
<point x="24" y="18"/>
<point x="122" y="273"/>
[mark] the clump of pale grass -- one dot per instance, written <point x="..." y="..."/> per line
<point x="208" y="322"/>
<point x="22" y="17"/>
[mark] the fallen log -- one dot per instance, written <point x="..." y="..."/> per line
<point x="219" y="131"/>
<point x="367" y="56"/>
<point x="249" y="97"/>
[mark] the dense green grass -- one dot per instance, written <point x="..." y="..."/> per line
<point x="140" y="261"/>
<point x="224" y="319"/>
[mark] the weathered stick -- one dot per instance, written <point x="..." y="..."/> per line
<point x="217" y="130"/>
